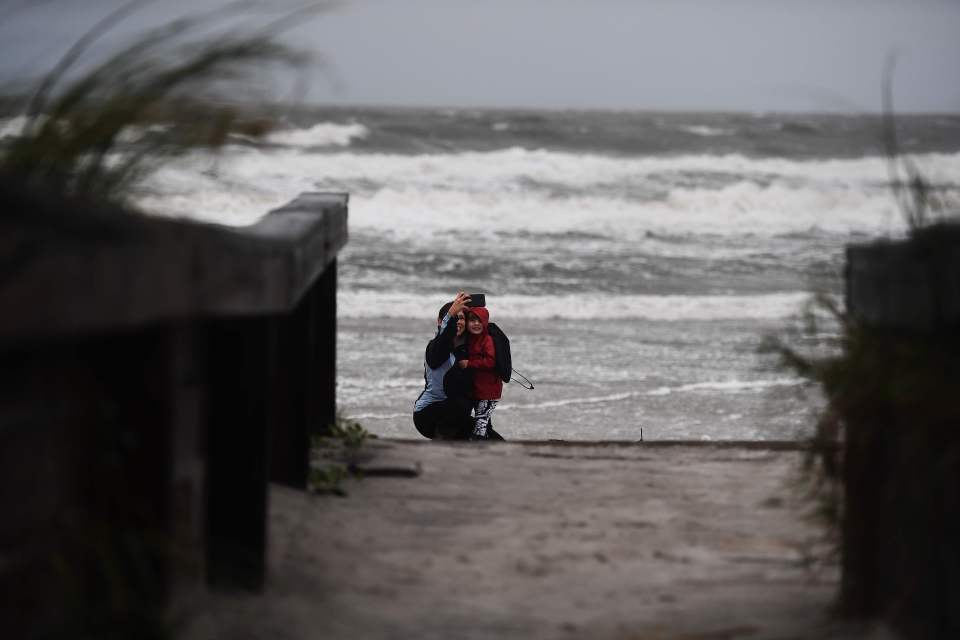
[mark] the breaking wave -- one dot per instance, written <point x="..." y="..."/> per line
<point x="324" y="134"/>
<point x="371" y="304"/>
<point x="728" y="386"/>
<point x="540" y="191"/>
<point x="724" y="386"/>
<point x="547" y="192"/>
<point x="12" y="127"/>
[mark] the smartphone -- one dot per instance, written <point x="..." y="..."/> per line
<point x="477" y="300"/>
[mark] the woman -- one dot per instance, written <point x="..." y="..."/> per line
<point x="458" y="382"/>
<point x="434" y="414"/>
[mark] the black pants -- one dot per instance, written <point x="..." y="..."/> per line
<point x="444" y="420"/>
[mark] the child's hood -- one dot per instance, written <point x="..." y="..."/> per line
<point x="483" y="314"/>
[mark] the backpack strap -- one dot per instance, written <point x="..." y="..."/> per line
<point x="502" y="345"/>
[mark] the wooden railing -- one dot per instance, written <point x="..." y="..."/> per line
<point x="901" y="458"/>
<point x="157" y="374"/>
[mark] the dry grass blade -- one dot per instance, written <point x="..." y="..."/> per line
<point x="76" y="140"/>
<point x="38" y="101"/>
<point x="915" y="195"/>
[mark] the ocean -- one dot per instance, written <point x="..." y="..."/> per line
<point x="636" y="260"/>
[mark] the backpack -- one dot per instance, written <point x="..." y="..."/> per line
<point x="501" y="343"/>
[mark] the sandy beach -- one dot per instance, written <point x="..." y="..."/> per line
<point x="545" y="540"/>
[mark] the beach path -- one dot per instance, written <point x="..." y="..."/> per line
<point x="544" y="540"/>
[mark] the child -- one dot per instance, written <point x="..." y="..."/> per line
<point x="481" y="359"/>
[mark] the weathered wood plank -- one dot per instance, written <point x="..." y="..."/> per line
<point x="303" y="388"/>
<point x="215" y="348"/>
<point x="122" y="270"/>
<point x="240" y="354"/>
<point x="912" y="285"/>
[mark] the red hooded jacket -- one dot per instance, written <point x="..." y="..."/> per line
<point x="487" y="385"/>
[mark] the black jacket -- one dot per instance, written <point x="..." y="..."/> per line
<point x="458" y="383"/>
<point x="439" y="349"/>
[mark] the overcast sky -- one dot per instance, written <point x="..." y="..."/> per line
<point x="744" y="55"/>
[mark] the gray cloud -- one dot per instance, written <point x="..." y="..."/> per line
<point x="682" y="54"/>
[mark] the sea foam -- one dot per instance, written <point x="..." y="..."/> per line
<point x="371" y="304"/>
<point x="12" y="127"/>
<point x="544" y="191"/>
<point x="324" y="134"/>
